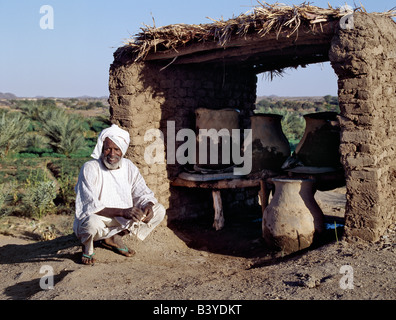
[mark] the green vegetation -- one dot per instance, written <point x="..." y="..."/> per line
<point x="49" y="128"/>
<point x="38" y="198"/>
<point x="293" y="110"/>
<point x="13" y="128"/>
<point x="43" y="144"/>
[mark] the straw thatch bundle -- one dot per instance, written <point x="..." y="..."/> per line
<point x="264" y="18"/>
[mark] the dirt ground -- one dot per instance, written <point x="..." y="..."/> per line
<point x="189" y="260"/>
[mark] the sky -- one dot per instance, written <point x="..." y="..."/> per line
<point x="71" y="58"/>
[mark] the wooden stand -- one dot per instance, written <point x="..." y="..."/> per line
<point x="218" y="185"/>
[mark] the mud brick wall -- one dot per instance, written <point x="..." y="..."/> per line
<point x="143" y="97"/>
<point x="365" y="61"/>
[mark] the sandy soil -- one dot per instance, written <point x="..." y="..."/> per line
<point x="190" y="261"/>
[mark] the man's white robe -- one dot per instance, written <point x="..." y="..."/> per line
<point x="98" y="188"/>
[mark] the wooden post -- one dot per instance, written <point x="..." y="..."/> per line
<point x="218" y="223"/>
<point x="264" y="195"/>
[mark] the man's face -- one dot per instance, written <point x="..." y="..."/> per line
<point x="112" y="154"/>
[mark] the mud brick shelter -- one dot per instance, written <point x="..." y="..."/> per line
<point x="165" y="74"/>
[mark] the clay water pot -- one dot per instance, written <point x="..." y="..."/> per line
<point x="270" y="147"/>
<point x="293" y="219"/>
<point x="222" y="121"/>
<point x="319" y="147"/>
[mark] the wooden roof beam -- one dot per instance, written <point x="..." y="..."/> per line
<point x="242" y="46"/>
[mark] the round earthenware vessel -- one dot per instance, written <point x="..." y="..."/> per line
<point x="293" y="218"/>
<point x="214" y="137"/>
<point x="270" y="147"/>
<point x="319" y="147"/>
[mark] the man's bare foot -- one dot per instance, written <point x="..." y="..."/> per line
<point x="116" y="243"/>
<point x="86" y="258"/>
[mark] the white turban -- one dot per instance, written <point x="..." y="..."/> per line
<point x="119" y="136"/>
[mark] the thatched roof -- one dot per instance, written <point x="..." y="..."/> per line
<point x="261" y="20"/>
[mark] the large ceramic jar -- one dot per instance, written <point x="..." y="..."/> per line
<point x="217" y="123"/>
<point x="293" y="218"/>
<point x="270" y="147"/>
<point x="319" y="147"/>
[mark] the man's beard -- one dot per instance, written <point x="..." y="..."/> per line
<point x="110" y="166"/>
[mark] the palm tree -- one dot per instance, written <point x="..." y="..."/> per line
<point x="64" y="131"/>
<point x="13" y="127"/>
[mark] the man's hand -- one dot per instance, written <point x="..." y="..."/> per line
<point x="135" y="214"/>
<point x="148" y="212"/>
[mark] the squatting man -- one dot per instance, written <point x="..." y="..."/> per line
<point x="112" y="198"/>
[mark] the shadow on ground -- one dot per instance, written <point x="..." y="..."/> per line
<point x="242" y="237"/>
<point x="38" y="251"/>
<point x="24" y="290"/>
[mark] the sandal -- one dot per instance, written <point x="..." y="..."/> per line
<point x="90" y="258"/>
<point x="125" y="251"/>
